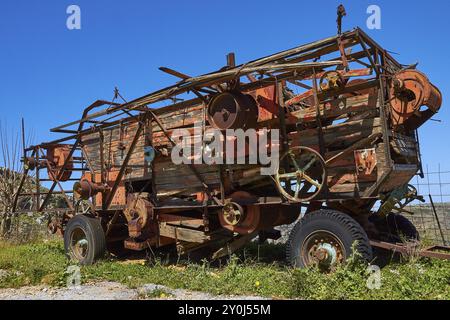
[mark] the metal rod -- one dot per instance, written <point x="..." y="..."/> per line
<point x="23" y="139"/>
<point x="50" y="172"/>
<point x="38" y="183"/>
<point x="437" y="219"/>
<point x="112" y="193"/>
<point x="318" y="121"/>
<point x="191" y="166"/>
<point x="66" y="162"/>
<point x="22" y="181"/>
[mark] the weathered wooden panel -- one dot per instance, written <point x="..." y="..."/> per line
<point x="339" y="135"/>
<point x="400" y="175"/>
<point x="115" y="146"/>
<point x="338" y="107"/>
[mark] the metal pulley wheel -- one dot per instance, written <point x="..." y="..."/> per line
<point x="331" y="80"/>
<point x="409" y="91"/>
<point x="233" y="110"/>
<point x="233" y="213"/>
<point x="301" y="174"/>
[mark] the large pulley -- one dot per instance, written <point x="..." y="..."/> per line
<point x="331" y="80"/>
<point x="233" y="213"/>
<point x="233" y="110"/>
<point x="301" y="175"/>
<point x="410" y="90"/>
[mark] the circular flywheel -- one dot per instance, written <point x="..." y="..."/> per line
<point x="301" y="174"/>
<point x="233" y="213"/>
<point x="331" y="80"/>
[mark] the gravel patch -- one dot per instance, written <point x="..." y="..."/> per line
<point x="111" y="291"/>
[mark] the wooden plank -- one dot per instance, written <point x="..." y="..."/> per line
<point x="337" y="107"/>
<point x="182" y="234"/>
<point x="181" y="221"/>
<point x="354" y="188"/>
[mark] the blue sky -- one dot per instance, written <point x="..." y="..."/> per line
<point x="48" y="73"/>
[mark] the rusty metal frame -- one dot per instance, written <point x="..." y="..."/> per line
<point x="193" y="83"/>
<point x="207" y="188"/>
<point x="62" y="170"/>
<point x="288" y="65"/>
<point x="294" y="71"/>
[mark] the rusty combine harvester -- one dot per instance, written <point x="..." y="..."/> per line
<point x="347" y="113"/>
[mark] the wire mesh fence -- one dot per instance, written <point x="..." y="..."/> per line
<point x="432" y="218"/>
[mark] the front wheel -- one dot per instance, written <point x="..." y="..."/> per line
<point x="325" y="238"/>
<point x="84" y="239"/>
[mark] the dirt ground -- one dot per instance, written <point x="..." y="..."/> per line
<point x="110" y="291"/>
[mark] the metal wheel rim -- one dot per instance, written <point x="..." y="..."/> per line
<point x="79" y="245"/>
<point x="235" y="217"/>
<point x="316" y="243"/>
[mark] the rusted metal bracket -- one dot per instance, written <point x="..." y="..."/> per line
<point x="359" y="144"/>
<point x="318" y="121"/>
<point x="340" y="14"/>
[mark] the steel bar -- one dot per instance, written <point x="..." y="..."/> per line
<point x="85" y="117"/>
<point x="111" y="194"/>
<point x="318" y="121"/>
<point x="63" y="168"/>
<point x="44" y="193"/>
<point x="19" y="189"/>
<point x="52" y="175"/>
<point x="437" y="218"/>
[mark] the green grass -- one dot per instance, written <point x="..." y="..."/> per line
<point x="254" y="271"/>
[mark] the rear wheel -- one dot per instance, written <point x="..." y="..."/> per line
<point x="325" y="238"/>
<point x="396" y="228"/>
<point x="84" y="239"/>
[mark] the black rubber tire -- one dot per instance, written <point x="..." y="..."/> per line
<point x="95" y="236"/>
<point x="401" y="227"/>
<point x="340" y="224"/>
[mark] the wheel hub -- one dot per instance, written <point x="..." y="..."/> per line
<point x="79" y="244"/>
<point x="323" y="249"/>
<point x="326" y="254"/>
<point x="233" y="213"/>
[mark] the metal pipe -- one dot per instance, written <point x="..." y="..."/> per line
<point x="437" y="219"/>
